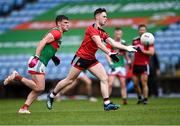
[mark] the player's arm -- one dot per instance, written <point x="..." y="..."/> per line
<point x="110" y="62"/>
<point x="150" y="51"/>
<point x="47" y="39"/>
<point x="100" y="45"/>
<point x="120" y="46"/>
<point x="108" y="58"/>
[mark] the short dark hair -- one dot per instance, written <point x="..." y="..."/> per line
<point x="117" y="28"/>
<point x="99" y="10"/>
<point x="142" y="25"/>
<point x="60" y="18"/>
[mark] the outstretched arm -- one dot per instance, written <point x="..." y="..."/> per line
<point x="120" y="46"/>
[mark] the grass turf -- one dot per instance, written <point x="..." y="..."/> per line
<point x="80" y="112"/>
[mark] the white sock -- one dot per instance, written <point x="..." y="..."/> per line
<point x="106" y="102"/>
<point x="52" y="95"/>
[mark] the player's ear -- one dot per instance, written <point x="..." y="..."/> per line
<point x="59" y="23"/>
<point x="96" y="16"/>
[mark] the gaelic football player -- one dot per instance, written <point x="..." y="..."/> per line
<point x="45" y="52"/>
<point x="141" y="66"/>
<point x="85" y="59"/>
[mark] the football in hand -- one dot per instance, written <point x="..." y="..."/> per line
<point x="147" y="39"/>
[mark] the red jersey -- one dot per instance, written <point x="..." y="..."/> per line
<point x="141" y="58"/>
<point x="88" y="47"/>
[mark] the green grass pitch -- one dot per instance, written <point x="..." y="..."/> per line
<point x="81" y="112"/>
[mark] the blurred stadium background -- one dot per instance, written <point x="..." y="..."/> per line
<point x="24" y="22"/>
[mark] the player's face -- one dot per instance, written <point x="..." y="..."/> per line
<point x="142" y="30"/>
<point x="102" y="18"/>
<point x="118" y="34"/>
<point x="64" y="24"/>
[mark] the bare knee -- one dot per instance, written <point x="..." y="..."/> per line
<point x="69" y="81"/>
<point x="88" y="83"/>
<point x="104" y="79"/>
<point x="39" y="89"/>
<point x="123" y="86"/>
<point x="144" y="78"/>
<point x="110" y="83"/>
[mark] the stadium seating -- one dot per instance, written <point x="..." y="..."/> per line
<point x="167" y="46"/>
<point x="27" y="13"/>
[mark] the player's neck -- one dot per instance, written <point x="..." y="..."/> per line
<point x="97" y="25"/>
<point x="117" y="40"/>
<point x="60" y="29"/>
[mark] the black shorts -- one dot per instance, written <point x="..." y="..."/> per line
<point x="140" y="69"/>
<point x="83" y="64"/>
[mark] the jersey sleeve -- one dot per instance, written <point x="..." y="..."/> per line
<point x="92" y="31"/>
<point x="56" y="34"/>
<point x="105" y="36"/>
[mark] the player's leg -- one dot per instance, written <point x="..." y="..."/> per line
<point x="30" y="83"/>
<point x="73" y="74"/>
<point x="137" y="88"/>
<point x="144" y="80"/>
<point x="39" y="80"/>
<point x="31" y="97"/>
<point x="17" y="77"/>
<point x="67" y="88"/>
<point x="99" y="71"/>
<point x="110" y="82"/>
<point x="123" y="89"/>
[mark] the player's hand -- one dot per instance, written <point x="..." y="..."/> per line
<point x="34" y="61"/>
<point x="139" y="48"/>
<point x="131" y="48"/>
<point x="113" y="56"/>
<point x="56" y="60"/>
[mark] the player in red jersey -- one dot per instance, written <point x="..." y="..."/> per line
<point x="141" y="65"/>
<point x="45" y="52"/>
<point x="85" y="59"/>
